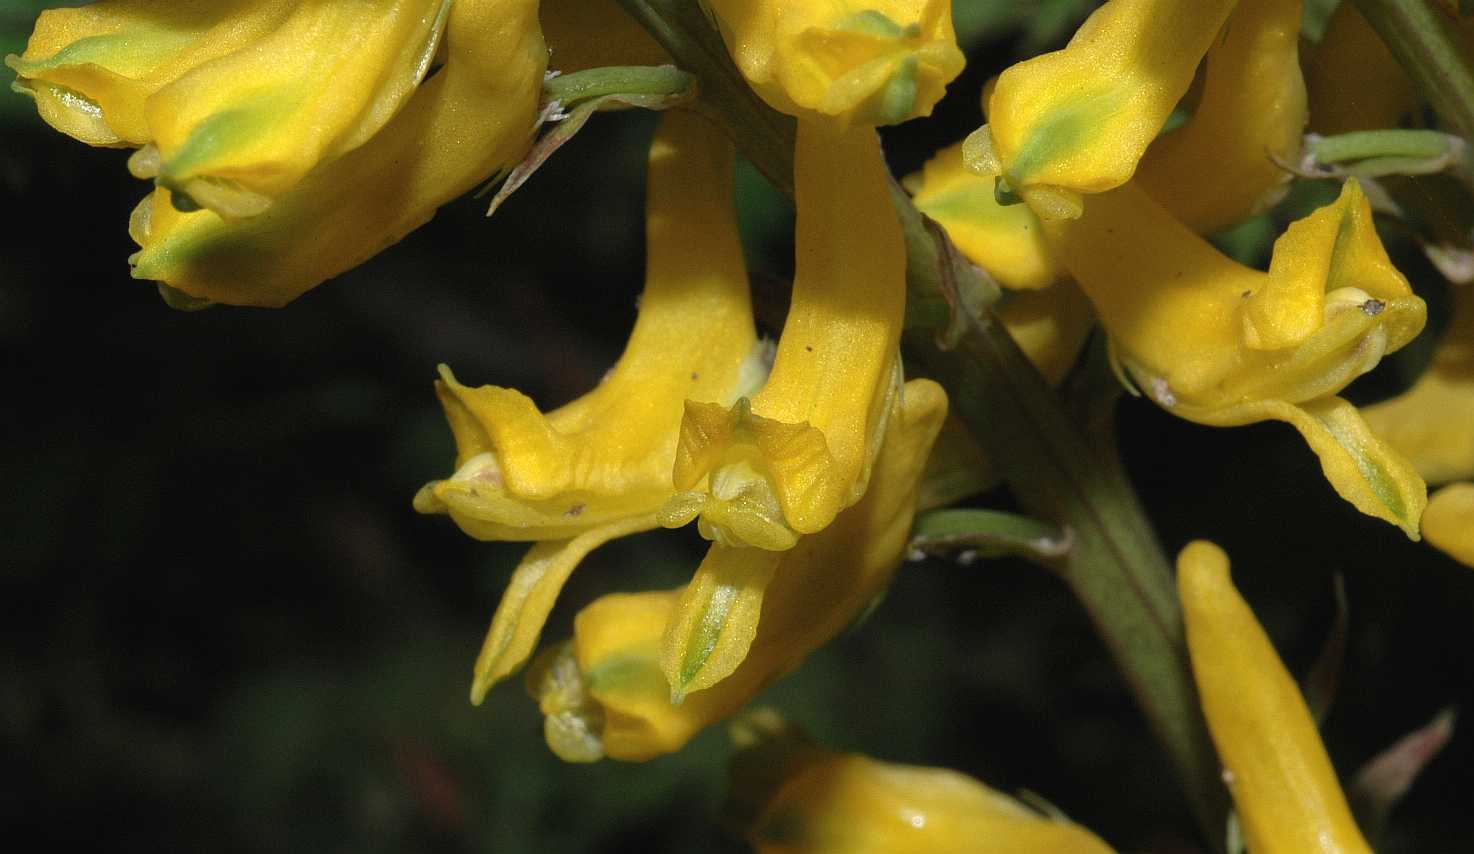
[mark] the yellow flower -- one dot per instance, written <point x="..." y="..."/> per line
<point x="1077" y="120"/>
<point x="1449" y="522"/>
<point x="1276" y="768"/>
<point x="1432" y="423"/>
<point x="1221" y="166"/>
<point x="805" y="799"/>
<point x="417" y="147"/>
<point x="749" y="615"/>
<point x="92" y="69"/>
<point x="600" y="467"/>
<point x="767" y="470"/>
<point x="1218" y="343"/>
<point x="871" y="62"/>
<point x="247" y="121"/>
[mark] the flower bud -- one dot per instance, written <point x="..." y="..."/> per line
<point x="868" y="62"/>
<point x="803" y="799"/>
<point x="1282" y="782"/>
<point x="1077" y="120"/>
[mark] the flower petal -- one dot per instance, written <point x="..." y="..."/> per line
<point x="817" y="588"/>
<point x="529" y="598"/>
<point x="472" y="118"/>
<point x="523" y="474"/>
<point x="1220" y="167"/>
<point x="93" y="68"/>
<point x="245" y="128"/>
<point x="836" y="368"/>
<point x="1362" y="468"/>
<point x="872" y="63"/>
<point x="1432" y="423"/>
<point x="1077" y="120"/>
<point x="1005" y="240"/>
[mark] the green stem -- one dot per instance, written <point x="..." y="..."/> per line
<point x="1394" y="151"/>
<point x="572" y="89"/>
<point x="1431" y="50"/>
<point x="1114" y="564"/>
<point x="1392" y="142"/>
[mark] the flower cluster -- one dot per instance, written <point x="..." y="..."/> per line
<point x="801" y="462"/>
<point x="289" y="141"/>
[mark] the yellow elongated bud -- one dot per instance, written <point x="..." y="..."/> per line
<point x="586" y="34"/>
<point x="1282" y="782"/>
<point x="1432" y="423"/>
<point x="1449" y="522"/>
<point x="1077" y="120"/>
<point x="1005" y="240"/>
<point x="622" y="697"/>
<point x="846" y="803"/>
<point x="1354" y="81"/>
<point x="474" y="117"/>
<point x="1220" y="167"/>
<point x="870" y="62"/>
<point x="600" y="466"/>
<point x="1218" y="343"/>
<point x="92" y="69"/>
<point x="787" y="461"/>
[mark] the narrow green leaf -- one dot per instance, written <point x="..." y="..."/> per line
<point x="989" y="533"/>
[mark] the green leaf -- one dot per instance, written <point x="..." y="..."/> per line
<point x="989" y="533"/>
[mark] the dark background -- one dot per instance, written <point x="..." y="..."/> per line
<point x="225" y="628"/>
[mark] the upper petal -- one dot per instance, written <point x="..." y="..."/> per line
<point x="244" y="128"/>
<point x="1077" y="120"/>
<point x="472" y="118"/>
<point x="93" y="68"/>
<point x="868" y="62"/>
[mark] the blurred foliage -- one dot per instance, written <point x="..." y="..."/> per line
<point x="1034" y="25"/>
<point x="228" y="630"/>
